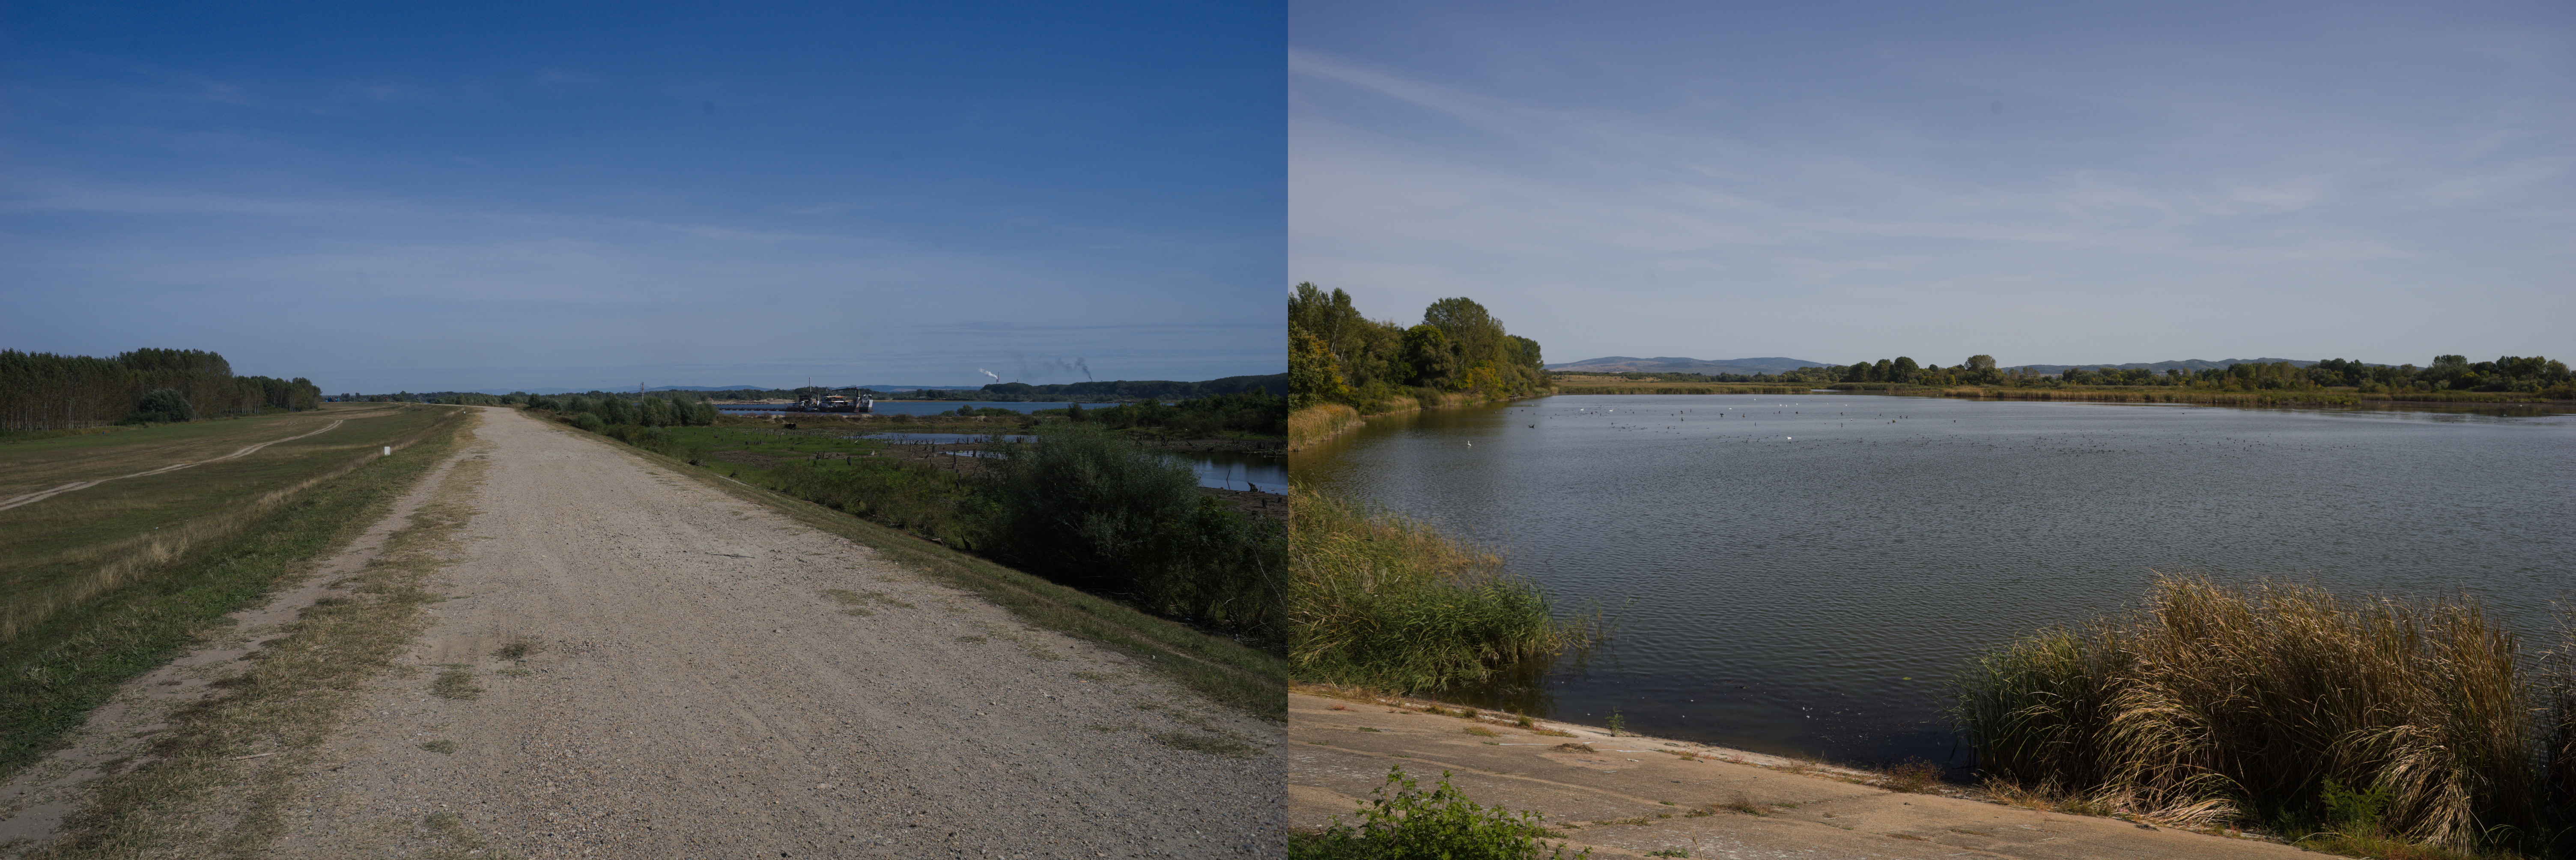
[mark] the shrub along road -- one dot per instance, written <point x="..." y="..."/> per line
<point x="629" y="662"/>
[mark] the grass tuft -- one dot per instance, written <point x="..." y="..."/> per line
<point x="455" y="684"/>
<point x="2217" y="704"/>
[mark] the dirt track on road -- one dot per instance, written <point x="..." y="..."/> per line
<point x="690" y="689"/>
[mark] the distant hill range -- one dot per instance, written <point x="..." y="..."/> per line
<point x="2162" y="366"/>
<point x="1669" y="364"/>
<point x="1138" y="389"/>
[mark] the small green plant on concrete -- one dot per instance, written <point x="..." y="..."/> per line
<point x="1406" y="822"/>
<point x="441" y="747"/>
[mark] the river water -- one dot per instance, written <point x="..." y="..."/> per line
<point x="1799" y="574"/>
<point x="912" y="407"/>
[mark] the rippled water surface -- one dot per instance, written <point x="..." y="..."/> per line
<point x="1799" y="574"/>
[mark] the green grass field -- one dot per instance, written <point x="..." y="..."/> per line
<point x="115" y="579"/>
<point x="84" y="541"/>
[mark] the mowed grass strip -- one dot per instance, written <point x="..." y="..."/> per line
<point x="1222" y="669"/>
<point x="71" y="661"/>
<point x="71" y="548"/>
<point x="228" y="764"/>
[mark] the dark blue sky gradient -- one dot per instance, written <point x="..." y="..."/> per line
<point x="489" y="195"/>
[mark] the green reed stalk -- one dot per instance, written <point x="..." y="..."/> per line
<point x="1379" y="600"/>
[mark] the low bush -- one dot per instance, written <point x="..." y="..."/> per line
<point x="1089" y="508"/>
<point x="1405" y="823"/>
<point x="2280" y="702"/>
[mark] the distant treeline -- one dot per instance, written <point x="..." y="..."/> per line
<point x="44" y="391"/>
<point x="1127" y="390"/>
<point x="2512" y="374"/>
<point x="1337" y="356"/>
<point x="1255" y="411"/>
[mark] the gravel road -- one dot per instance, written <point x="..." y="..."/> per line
<point x="692" y="691"/>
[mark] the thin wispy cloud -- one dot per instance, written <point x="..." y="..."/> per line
<point x="428" y="199"/>
<point x="1567" y="169"/>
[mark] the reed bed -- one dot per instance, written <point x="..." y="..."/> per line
<point x="1380" y="601"/>
<point x="2281" y="702"/>
<point x="1679" y="388"/>
<point x="1317" y="423"/>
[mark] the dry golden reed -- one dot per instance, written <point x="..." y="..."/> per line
<point x="2215" y="702"/>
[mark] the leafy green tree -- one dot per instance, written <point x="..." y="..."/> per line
<point x="166" y="406"/>
<point x="1313" y="376"/>
<point x="1904" y="370"/>
<point x="1433" y="357"/>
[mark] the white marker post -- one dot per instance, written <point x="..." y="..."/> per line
<point x="389" y="450"/>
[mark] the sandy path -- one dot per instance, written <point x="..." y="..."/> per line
<point x="694" y="694"/>
<point x="1628" y="796"/>
<point x="247" y="450"/>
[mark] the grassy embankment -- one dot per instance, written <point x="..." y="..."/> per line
<point x="108" y="582"/>
<point x="957" y="524"/>
<point x="1381" y="602"/>
<point x="2382" y="727"/>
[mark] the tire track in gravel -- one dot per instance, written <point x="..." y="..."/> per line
<point x="690" y="690"/>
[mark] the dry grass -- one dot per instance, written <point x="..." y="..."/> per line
<point x="455" y="683"/>
<point x="2215" y="702"/>
<point x="1317" y="423"/>
<point x="1913" y="776"/>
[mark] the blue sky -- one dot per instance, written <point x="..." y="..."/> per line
<point x="2043" y="182"/>
<point x="481" y="195"/>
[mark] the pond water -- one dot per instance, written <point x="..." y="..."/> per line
<point x="1800" y="574"/>
<point x="914" y="407"/>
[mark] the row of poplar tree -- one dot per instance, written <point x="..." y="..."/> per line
<point x="44" y="391"/>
